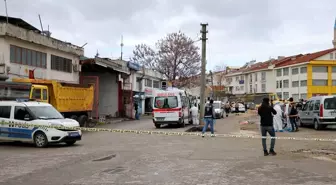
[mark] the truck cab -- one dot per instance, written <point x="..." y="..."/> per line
<point x="39" y="93"/>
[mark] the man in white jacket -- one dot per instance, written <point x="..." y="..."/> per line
<point x="277" y="119"/>
<point x="194" y="114"/>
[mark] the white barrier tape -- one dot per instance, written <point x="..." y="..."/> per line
<point x="26" y="125"/>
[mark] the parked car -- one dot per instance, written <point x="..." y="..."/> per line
<point x="319" y="111"/>
<point x="219" y="110"/>
<point x="240" y="109"/>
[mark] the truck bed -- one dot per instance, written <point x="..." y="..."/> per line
<point x="71" y="98"/>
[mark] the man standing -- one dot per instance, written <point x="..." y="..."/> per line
<point x="227" y="109"/>
<point x="209" y="115"/>
<point x="293" y="114"/>
<point x="266" y="113"/>
<point x="194" y="114"/>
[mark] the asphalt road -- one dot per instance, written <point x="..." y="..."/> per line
<point x="119" y="158"/>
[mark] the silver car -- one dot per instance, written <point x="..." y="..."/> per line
<point x="219" y="110"/>
<point x="319" y="111"/>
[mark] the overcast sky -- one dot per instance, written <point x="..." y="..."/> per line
<point x="239" y="30"/>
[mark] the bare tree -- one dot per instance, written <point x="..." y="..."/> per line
<point x="175" y="56"/>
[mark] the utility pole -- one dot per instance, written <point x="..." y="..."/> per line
<point x="204" y="32"/>
<point x="212" y="85"/>
<point x="6" y="11"/>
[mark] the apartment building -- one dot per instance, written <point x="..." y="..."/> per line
<point x="24" y="48"/>
<point x="235" y="81"/>
<point x="307" y="75"/>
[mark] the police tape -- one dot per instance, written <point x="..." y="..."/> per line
<point x="12" y="124"/>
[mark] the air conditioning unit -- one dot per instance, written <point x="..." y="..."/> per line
<point x="77" y="68"/>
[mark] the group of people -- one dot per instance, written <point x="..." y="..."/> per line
<point x="274" y="118"/>
<point x="286" y="117"/>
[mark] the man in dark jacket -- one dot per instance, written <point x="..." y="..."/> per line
<point x="266" y="112"/>
<point x="209" y="116"/>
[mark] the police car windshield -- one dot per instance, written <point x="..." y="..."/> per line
<point x="45" y="112"/>
<point x="216" y="105"/>
<point x="166" y="102"/>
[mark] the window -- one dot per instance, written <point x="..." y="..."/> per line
<point x="242" y="88"/>
<point x="12" y="54"/>
<point x="20" y="113"/>
<point x="331" y="56"/>
<point x="166" y="102"/>
<point x="250" y="78"/>
<point x="278" y="72"/>
<point x="311" y="105"/>
<point x="303" y="96"/>
<point x="279" y="94"/>
<point x="330" y="103"/>
<point x="286" y="95"/>
<point x="250" y="88"/>
<point x="333" y="69"/>
<point x="305" y="106"/>
<point x="295" y="71"/>
<point x="45" y="112"/>
<point x="317" y="105"/>
<point x="303" y="70"/>
<point x="28" y="57"/>
<point x="36" y="94"/>
<point x="286" y="84"/>
<point x="156" y="84"/>
<point x="303" y="83"/>
<point x="5" y="111"/>
<point x="320" y="69"/>
<point x="295" y="97"/>
<point x="61" y="64"/>
<point x="320" y="82"/>
<point x="256" y="77"/>
<point x="295" y="83"/>
<point x="45" y="94"/>
<point x="263" y="76"/>
<point x="334" y="83"/>
<point x="237" y="78"/>
<point x="148" y="83"/>
<point x="256" y="88"/>
<point x="263" y="87"/>
<point x="277" y="84"/>
<point x="285" y="71"/>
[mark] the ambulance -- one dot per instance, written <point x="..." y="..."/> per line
<point x="171" y="107"/>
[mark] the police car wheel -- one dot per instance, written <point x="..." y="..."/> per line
<point x="69" y="143"/>
<point x="40" y="140"/>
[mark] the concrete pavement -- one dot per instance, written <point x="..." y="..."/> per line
<point x="116" y="158"/>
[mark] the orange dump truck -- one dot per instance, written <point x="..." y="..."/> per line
<point x="72" y="100"/>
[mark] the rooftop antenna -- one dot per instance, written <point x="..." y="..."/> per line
<point x="121" y="47"/>
<point x="40" y="22"/>
<point x="47" y="32"/>
<point x="6" y="10"/>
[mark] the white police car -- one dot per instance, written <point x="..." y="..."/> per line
<point x="14" y="115"/>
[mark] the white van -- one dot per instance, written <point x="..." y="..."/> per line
<point x="35" y="113"/>
<point x="318" y="111"/>
<point x="171" y="107"/>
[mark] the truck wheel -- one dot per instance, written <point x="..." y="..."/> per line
<point x="40" y="139"/>
<point x="82" y="120"/>
<point x="74" y="117"/>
